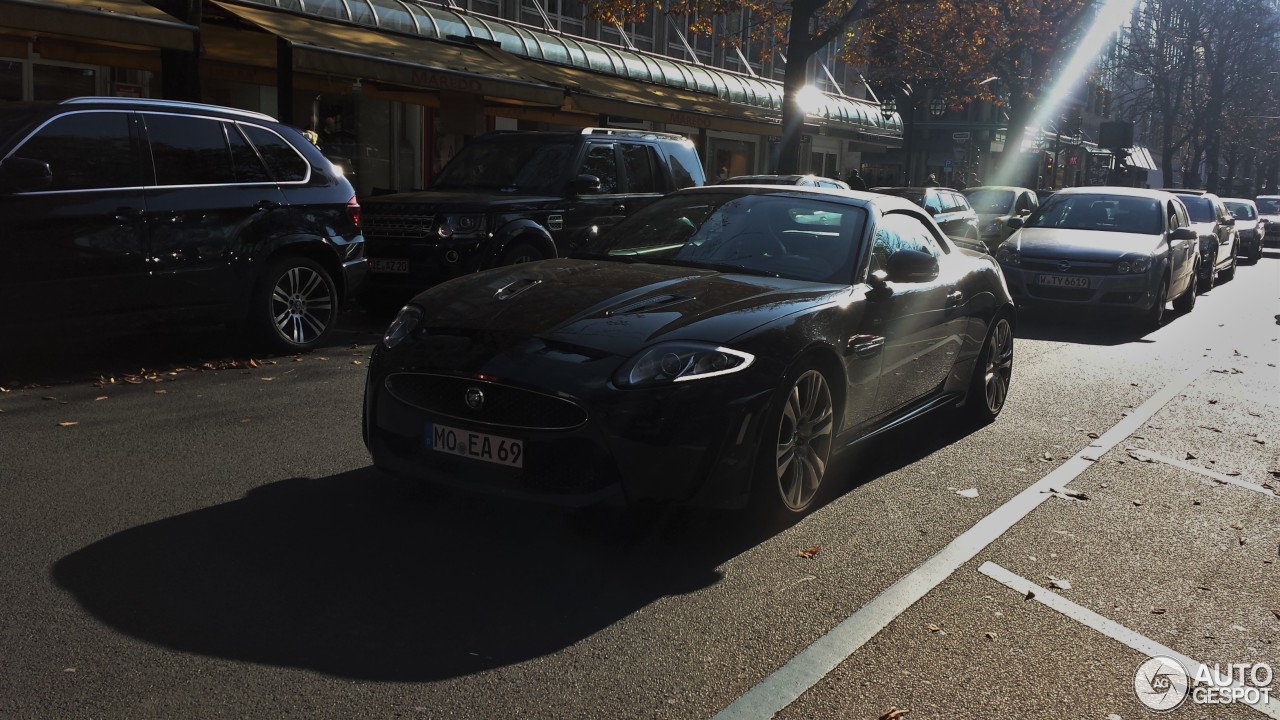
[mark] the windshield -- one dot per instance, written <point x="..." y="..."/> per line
<point x="994" y="202"/>
<point x="1269" y="206"/>
<point x="798" y="238"/>
<point x="1241" y="211"/>
<point x="1199" y="208"/>
<point x="509" y="163"/>
<point x="1106" y="213"/>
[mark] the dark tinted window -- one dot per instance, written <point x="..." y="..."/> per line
<point x="1201" y="208"/>
<point x="600" y="161"/>
<point x="641" y="167"/>
<point x="189" y="150"/>
<point x="509" y="163"/>
<point x="282" y="160"/>
<point x="86" y="150"/>
<point x="248" y="166"/>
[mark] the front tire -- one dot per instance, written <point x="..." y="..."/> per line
<point x="992" y="374"/>
<point x="1230" y="273"/>
<point x="1210" y="277"/>
<point x="1154" y="317"/>
<point x="294" y="306"/>
<point x="796" y="448"/>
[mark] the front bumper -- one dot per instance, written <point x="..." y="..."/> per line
<point x="1130" y="292"/>
<point x="691" y="442"/>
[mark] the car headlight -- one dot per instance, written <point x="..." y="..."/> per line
<point x="1006" y="255"/>
<point x="680" y="361"/>
<point x="1134" y="264"/>
<point x="406" y="320"/>
<point x="449" y="226"/>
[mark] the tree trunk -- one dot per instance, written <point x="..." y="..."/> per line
<point x="800" y="47"/>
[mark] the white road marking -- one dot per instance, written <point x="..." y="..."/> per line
<point x="1110" y="628"/>
<point x="803" y="671"/>
<point x="1215" y="476"/>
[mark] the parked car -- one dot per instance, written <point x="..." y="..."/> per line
<point x="1250" y="227"/>
<point x="1107" y="248"/>
<point x="1269" y="212"/>
<point x="717" y="347"/>
<point x="514" y="196"/>
<point x="996" y="205"/>
<point x="127" y="212"/>
<point x="949" y="208"/>
<point x="801" y="180"/>
<point x="1219" y="242"/>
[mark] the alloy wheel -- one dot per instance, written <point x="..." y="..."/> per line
<point x="999" y="370"/>
<point x="804" y="440"/>
<point x="302" y="305"/>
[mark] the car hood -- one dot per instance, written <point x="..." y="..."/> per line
<point x="1081" y="244"/>
<point x="611" y="307"/>
<point x="431" y="201"/>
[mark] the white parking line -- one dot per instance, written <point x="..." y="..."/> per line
<point x="1107" y="627"/>
<point x="803" y="671"/>
<point x="1215" y="476"/>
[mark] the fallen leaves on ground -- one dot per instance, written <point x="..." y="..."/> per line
<point x="893" y="713"/>
<point x="811" y="552"/>
<point x="68" y="423"/>
<point x="1059" y="583"/>
<point x="968" y="493"/>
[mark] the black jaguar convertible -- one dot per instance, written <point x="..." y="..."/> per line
<point x="716" y="347"/>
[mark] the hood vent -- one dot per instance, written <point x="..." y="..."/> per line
<point x="646" y="304"/>
<point x="509" y="291"/>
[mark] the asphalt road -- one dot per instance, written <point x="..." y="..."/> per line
<point x="185" y="534"/>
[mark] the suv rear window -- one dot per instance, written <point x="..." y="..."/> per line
<point x="85" y="150"/>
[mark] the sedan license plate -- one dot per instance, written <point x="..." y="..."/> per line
<point x="1066" y="281"/>
<point x="474" y="445"/>
<point x="388" y="265"/>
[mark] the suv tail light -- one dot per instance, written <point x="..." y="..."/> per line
<point x="353" y="211"/>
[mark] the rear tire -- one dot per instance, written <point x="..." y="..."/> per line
<point x="294" y="306"/>
<point x="1187" y="300"/>
<point x="992" y="374"/>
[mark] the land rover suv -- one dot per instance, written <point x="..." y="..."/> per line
<point x="127" y="212"/>
<point x="517" y="196"/>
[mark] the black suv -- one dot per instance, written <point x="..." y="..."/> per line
<point x="516" y="196"/>
<point x="949" y="208"/>
<point x="126" y="212"/>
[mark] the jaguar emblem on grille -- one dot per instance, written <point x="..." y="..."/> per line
<point x="1064" y="265"/>
<point x="474" y="398"/>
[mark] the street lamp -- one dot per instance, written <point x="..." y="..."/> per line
<point x="888" y="107"/>
<point x="937" y="107"/>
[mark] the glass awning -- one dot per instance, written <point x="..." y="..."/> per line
<point x="129" y="22"/>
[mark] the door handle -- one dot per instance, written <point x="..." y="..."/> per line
<point x="865" y="346"/>
<point x="267" y="205"/>
<point x="954" y="298"/>
<point x="126" y="214"/>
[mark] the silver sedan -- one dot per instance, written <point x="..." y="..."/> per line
<point x="1110" y="248"/>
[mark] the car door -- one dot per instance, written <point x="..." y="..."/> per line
<point x="1226" y="231"/>
<point x="590" y="214"/>
<point x="922" y="319"/>
<point x="212" y="206"/>
<point x="75" y="247"/>
<point x="1182" y="253"/>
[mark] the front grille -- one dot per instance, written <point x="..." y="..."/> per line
<point x="1078" y="267"/>
<point x="503" y="406"/>
<point x="397" y="225"/>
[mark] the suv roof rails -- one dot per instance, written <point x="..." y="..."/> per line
<point x="632" y="133"/>
<point x="174" y="103"/>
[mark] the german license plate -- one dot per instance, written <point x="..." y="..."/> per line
<point x="475" y="445"/>
<point x="388" y="265"/>
<point x="1066" y="281"/>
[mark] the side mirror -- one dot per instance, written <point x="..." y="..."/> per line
<point x="1015" y="223"/>
<point x="585" y="185"/>
<point x="19" y="174"/>
<point x="912" y="266"/>
<point x="1229" y="221"/>
<point x="879" y="282"/>
<point x="1183" y="233"/>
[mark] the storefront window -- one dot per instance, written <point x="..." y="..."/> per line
<point x="10" y="80"/>
<point x="59" y="82"/>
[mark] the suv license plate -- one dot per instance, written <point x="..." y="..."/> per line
<point x="474" y="445"/>
<point x="1066" y="281"/>
<point x="386" y="265"/>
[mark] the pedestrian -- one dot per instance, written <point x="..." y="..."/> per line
<point x="973" y="180"/>
<point x="932" y="181"/>
<point x="855" y="180"/>
<point x="959" y="182"/>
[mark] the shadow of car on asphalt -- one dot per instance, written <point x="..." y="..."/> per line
<point x="1084" y="327"/>
<point x="352" y="576"/>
